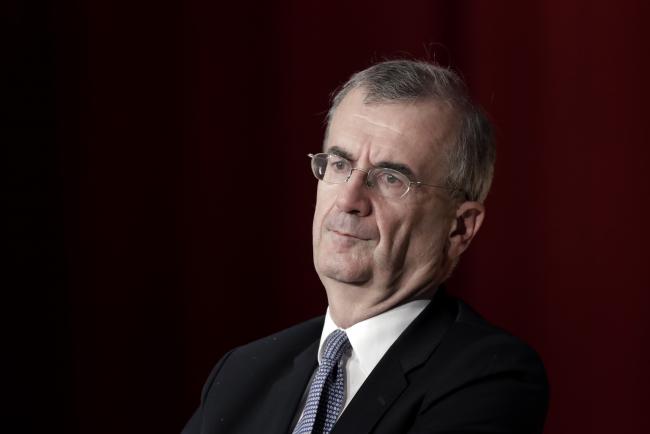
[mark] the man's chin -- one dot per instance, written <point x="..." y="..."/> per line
<point x="344" y="260"/>
<point x="349" y="273"/>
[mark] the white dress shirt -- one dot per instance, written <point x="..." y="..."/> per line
<point x="369" y="339"/>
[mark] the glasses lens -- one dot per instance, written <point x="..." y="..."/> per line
<point x="334" y="169"/>
<point x="330" y="168"/>
<point x="389" y="183"/>
<point x="319" y="165"/>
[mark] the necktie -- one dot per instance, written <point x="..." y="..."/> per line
<point x="327" y="392"/>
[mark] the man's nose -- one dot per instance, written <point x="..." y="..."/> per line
<point x="353" y="195"/>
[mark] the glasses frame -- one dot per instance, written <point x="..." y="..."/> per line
<point x="368" y="172"/>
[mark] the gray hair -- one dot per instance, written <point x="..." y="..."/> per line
<point x="471" y="159"/>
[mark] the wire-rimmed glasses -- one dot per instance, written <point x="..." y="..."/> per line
<point x="389" y="183"/>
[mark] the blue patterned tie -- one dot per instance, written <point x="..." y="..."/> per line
<point x="327" y="391"/>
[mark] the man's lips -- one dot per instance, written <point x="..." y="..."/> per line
<point x="351" y="227"/>
<point x="348" y="234"/>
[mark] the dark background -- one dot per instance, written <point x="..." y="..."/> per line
<point x="147" y="235"/>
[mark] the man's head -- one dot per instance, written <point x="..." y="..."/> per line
<point x="373" y="252"/>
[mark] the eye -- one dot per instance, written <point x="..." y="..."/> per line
<point x="338" y="164"/>
<point x="390" y="180"/>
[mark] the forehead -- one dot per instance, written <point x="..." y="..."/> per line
<point x="414" y="133"/>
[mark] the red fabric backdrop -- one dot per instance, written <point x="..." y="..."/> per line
<point x="157" y="239"/>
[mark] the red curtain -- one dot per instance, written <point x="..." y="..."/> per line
<point x="182" y="203"/>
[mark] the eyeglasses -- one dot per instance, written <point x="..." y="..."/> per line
<point x="388" y="183"/>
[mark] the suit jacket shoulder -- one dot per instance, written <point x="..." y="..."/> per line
<point x="281" y="345"/>
<point x="475" y="348"/>
<point x="257" y="387"/>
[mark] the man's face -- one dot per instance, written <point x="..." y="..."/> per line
<point x="389" y="246"/>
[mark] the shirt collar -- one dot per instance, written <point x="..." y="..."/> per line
<point x="371" y="338"/>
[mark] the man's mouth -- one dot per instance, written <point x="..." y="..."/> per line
<point x="348" y="234"/>
<point x="351" y="228"/>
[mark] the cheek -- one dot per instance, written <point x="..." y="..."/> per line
<point x="323" y="204"/>
<point x="395" y="227"/>
<point x="408" y="233"/>
<point x="430" y="234"/>
<point x="429" y="244"/>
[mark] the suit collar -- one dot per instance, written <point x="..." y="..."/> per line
<point x="288" y="390"/>
<point x="422" y="337"/>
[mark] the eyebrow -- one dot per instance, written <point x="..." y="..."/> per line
<point x="335" y="150"/>
<point x="402" y="168"/>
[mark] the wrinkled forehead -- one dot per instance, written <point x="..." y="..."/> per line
<point x="416" y="133"/>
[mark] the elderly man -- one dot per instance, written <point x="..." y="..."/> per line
<point x="406" y="165"/>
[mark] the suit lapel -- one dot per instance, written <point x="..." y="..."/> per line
<point x="284" y="395"/>
<point x="373" y="399"/>
<point x="389" y="378"/>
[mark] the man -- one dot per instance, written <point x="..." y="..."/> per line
<point x="406" y="165"/>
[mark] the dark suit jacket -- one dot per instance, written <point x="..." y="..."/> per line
<point x="449" y="372"/>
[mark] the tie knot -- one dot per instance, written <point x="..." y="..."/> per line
<point x="336" y="344"/>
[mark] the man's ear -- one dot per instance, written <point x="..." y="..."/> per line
<point x="469" y="217"/>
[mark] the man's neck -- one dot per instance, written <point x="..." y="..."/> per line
<point x="350" y="304"/>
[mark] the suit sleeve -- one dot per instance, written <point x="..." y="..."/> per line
<point x="509" y="396"/>
<point x="195" y="423"/>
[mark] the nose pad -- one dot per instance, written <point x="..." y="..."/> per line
<point x="365" y="178"/>
<point x="354" y="198"/>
